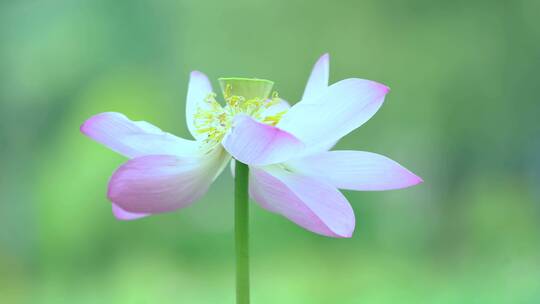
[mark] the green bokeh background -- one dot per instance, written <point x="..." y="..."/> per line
<point x="463" y="113"/>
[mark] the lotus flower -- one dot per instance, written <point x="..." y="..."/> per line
<point x="292" y="171"/>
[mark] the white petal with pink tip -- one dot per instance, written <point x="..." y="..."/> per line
<point x="135" y="138"/>
<point x="344" y="106"/>
<point x="258" y="144"/>
<point x="162" y="183"/>
<point x="318" y="80"/>
<point x="313" y="205"/>
<point x="199" y="88"/>
<point x="356" y="170"/>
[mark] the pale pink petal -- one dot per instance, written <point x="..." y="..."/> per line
<point x="356" y="170"/>
<point x="134" y="138"/>
<point x="318" y="80"/>
<point x="313" y="205"/>
<point x="282" y="106"/>
<point x="162" y="183"/>
<point x="124" y="215"/>
<point x="256" y="143"/>
<point x="346" y="106"/>
<point x="198" y="89"/>
<point x="317" y="148"/>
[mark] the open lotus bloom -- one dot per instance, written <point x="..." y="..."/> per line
<point x="292" y="170"/>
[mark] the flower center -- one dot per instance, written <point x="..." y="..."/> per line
<point x="242" y="96"/>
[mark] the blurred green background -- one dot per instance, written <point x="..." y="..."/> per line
<point x="463" y="113"/>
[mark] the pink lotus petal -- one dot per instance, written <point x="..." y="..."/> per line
<point x="162" y="183"/>
<point x="134" y="138"/>
<point x="255" y="143"/>
<point x="356" y="170"/>
<point x="313" y="205"/>
<point x="199" y="88"/>
<point x="318" y="80"/>
<point x="124" y="215"/>
<point x="344" y="106"/>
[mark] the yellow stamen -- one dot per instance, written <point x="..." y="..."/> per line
<point x="215" y="120"/>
